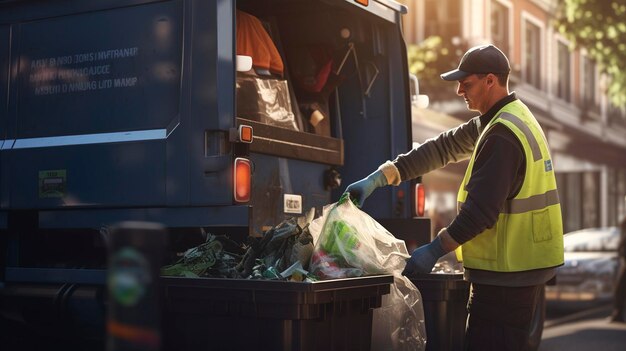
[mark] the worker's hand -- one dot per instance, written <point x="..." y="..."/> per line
<point x="423" y="259"/>
<point x="363" y="188"/>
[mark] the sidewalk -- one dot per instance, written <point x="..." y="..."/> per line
<point x="590" y="330"/>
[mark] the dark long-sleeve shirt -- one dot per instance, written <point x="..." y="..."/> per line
<point x="497" y="175"/>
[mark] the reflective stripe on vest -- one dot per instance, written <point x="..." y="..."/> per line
<point x="535" y="202"/>
<point x="528" y="233"/>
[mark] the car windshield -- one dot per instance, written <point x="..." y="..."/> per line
<point x="588" y="240"/>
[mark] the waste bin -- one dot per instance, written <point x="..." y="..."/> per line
<point x="238" y="314"/>
<point x="444" y="298"/>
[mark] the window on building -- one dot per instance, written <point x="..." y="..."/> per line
<point x="621" y="194"/>
<point x="589" y="84"/>
<point x="616" y="195"/>
<point x="442" y="18"/>
<point x="532" y="55"/>
<point x="500" y="25"/>
<point x="616" y="115"/>
<point x="613" y="197"/>
<point x="564" y="79"/>
<point x="591" y="199"/>
<point x="570" y="188"/>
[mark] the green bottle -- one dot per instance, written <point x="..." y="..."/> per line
<point x="342" y="235"/>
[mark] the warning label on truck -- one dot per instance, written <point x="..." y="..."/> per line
<point x="52" y="183"/>
<point x="293" y="203"/>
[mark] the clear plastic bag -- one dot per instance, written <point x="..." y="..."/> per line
<point x="399" y="323"/>
<point x="349" y="243"/>
<point x="265" y="99"/>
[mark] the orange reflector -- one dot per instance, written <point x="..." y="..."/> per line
<point x="243" y="177"/>
<point x="140" y="336"/>
<point x="420" y="199"/>
<point x="245" y="133"/>
<point x="362" y="2"/>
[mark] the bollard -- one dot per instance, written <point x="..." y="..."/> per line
<point x="134" y="314"/>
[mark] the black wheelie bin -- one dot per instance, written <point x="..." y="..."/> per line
<point x="444" y="298"/>
<point x="240" y="314"/>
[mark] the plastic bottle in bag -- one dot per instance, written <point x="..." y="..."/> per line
<point x="342" y="240"/>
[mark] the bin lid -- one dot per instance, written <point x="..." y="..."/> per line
<point x="436" y="276"/>
<point x="278" y="285"/>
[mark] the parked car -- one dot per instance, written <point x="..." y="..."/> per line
<point x="590" y="268"/>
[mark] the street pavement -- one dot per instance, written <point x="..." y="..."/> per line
<point x="587" y="330"/>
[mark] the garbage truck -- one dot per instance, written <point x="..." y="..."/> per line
<point x="222" y="116"/>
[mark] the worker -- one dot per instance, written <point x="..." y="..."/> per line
<point x="619" y="298"/>
<point x="508" y="225"/>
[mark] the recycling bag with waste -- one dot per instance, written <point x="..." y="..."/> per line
<point x="350" y="243"/>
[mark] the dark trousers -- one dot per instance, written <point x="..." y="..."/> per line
<point x="620" y="292"/>
<point x="504" y="318"/>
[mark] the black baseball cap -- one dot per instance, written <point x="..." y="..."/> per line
<point x="482" y="60"/>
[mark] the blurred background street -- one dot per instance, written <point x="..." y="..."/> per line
<point x="587" y="329"/>
<point x="567" y="65"/>
<point x="575" y="91"/>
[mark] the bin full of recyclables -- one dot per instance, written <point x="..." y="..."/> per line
<point x="343" y="242"/>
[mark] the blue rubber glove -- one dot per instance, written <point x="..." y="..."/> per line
<point x="423" y="259"/>
<point x="363" y="188"/>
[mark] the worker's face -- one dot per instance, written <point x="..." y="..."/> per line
<point x="474" y="90"/>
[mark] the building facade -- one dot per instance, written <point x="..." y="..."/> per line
<point x="563" y="88"/>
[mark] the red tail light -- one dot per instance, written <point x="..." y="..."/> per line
<point x="243" y="180"/>
<point x="420" y="199"/>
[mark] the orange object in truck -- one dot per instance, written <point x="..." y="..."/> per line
<point x="253" y="41"/>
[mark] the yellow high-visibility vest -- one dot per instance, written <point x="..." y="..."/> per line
<point x="529" y="231"/>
